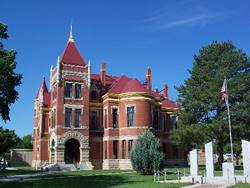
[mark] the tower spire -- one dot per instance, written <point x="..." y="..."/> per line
<point x="71" y="39"/>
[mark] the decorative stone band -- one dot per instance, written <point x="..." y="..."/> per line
<point x="84" y="76"/>
<point x="83" y="140"/>
<point x="128" y="137"/>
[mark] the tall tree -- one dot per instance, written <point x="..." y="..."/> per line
<point x="203" y="116"/>
<point x="8" y="78"/>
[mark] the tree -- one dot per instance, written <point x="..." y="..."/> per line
<point x="203" y="116"/>
<point x="8" y="139"/>
<point x="8" y="78"/>
<point x="146" y="155"/>
<point x="25" y="142"/>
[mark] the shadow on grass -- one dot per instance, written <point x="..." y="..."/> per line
<point x="20" y="171"/>
<point x="98" y="181"/>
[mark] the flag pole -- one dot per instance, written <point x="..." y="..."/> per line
<point x="229" y="123"/>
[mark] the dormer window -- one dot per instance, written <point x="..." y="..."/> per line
<point x="68" y="90"/>
<point x="93" y="95"/>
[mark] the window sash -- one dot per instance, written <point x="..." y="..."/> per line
<point x="130" y="116"/>
<point x="68" y="90"/>
<point x="124" y="149"/>
<point x="68" y="117"/>
<point x="115" y="149"/>
<point x="115" y="117"/>
<point x="78" y="91"/>
<point x="78" y="117"/>
<point x="94" y="120"/>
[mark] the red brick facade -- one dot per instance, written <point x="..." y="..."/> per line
<point x="94" y="119"/>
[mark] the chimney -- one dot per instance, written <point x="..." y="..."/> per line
<point x="148" y="79"/>
<point x="166" y="91"/>
<point x="103" y="74"/>
<point x="156" y="90"/>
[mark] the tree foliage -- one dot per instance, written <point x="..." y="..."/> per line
<point x="8" y="140"/>
<point x="25" y="142"/>
<point x="8" y="78"/>
<point x="146" y="155"/>
<point x="203" y="116"/>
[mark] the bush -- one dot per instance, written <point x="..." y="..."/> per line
<point x="146" y="155"/>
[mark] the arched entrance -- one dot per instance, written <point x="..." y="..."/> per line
<point x="72" y="151"/>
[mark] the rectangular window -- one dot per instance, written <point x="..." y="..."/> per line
<point x="78" y="113"/>
<point x="68" y="90"/>
<point x="164" y="123"/>
<point x="67" y="117"/>
<point x="53" y="118"/>
<point x="93" y="95"/>
<point x="93" y="120"/>
<point x="78" y="91"/>
<point x="130" y="145"/>
<point x="156" y="119"/>
<point x="105" y="118"/>
<point x="130" y="116"/>
<point x="124" y="149"/>
<point x="115" y="117"/>
<point x="115" y="149"/>
<point x="105" y="150"/>
<point x="174" y="123"/>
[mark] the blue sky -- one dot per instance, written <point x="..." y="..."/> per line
<point x="128" y="35"/>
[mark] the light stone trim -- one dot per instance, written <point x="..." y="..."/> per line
<point x="130" y="105"/>
<point x="83" y="140"/>
<point x="84" y="76"/>
<point x="74" y="107"/>
<point x="120" y="138"/>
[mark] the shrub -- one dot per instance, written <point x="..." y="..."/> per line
<point x="146" y="155"/>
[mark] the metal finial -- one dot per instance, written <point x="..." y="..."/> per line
<point x="71" y="39"/>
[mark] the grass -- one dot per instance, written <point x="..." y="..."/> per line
<point x="99" y="180"/>
<point x="17" y="171"/>
<point x="241" y="185"/>
<point x="78" y="180"/>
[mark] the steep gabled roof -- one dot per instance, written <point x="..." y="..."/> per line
<point x="46" y="94"/>
<point x="71" y="55"/>
<point x="43" y="87"/>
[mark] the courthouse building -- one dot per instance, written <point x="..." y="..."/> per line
<point x="93" y="120"/>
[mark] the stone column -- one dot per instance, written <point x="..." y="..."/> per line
<point x="246" y="157"/>
<point x="209" y="159"/>
<point x="193" y="162"/>
<point x="59" y="155"/>
<point x="84" y="154"/>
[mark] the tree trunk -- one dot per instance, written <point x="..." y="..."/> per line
<point x="220" y="151"/>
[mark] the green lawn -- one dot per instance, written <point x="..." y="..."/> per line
<point x="241" y="185"/>
<point x="96" y="178"/>
<point x="79" y="179"/>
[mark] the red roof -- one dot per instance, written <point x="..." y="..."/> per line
<point x="166" y="103"/>
<point x="71" y="55"/>
<point x="134" y="86"/>
<point x="109" y="79"/>
<point x="46" y="94"/>
<point x="125" y="84"/>
<point x="43" y="87"/>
